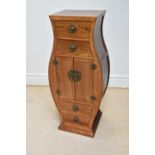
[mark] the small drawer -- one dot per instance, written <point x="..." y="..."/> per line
<point x="76" y="119"/>
<point x="76" y="108"/>
<point x="73" y="47"/>
<point x="72" y="29"/>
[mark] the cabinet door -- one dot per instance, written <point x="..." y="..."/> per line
<point x="84" y="87"/>
<point x="65" y="85"/>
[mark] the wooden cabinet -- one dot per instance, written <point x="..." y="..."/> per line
<point x="78" y="69"/>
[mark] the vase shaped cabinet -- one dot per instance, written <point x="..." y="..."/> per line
<point x="78" y="69"/>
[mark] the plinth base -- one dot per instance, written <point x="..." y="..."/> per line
<point x="90" y="132"/>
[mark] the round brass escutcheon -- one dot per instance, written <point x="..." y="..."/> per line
<point x="74" y="75"/>
<point x="75" y="108"/>
<point x="72" y="29"/>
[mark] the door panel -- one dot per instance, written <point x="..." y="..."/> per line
<point x="65" y="85"/>
<point x="84" y="87"/>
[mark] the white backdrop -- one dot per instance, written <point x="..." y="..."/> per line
<point x="40" y="37"/>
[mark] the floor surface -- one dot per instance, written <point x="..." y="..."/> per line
<point x="44" y="138"/>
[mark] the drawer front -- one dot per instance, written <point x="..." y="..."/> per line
<point x="73" y="47"/>
<point x="76" y="108"/>
<point x="70" y="46"/>
<point x="75" y="119"/>
<point x="72" y="29"/>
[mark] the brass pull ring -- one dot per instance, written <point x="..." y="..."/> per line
<point x="75" y="108"/>
<point x="75" y="119"/>
<point x="72" y="48"/>
<point x="72" y="29"/>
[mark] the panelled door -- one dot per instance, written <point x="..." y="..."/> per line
<point x="66" y="87"/>
<point x="84" y="87"/>
<point x="75" y="78"/>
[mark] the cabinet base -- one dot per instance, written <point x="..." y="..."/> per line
<point x="90" y="132"/>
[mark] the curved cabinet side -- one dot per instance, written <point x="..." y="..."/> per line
<point x="102" y="51"/>
<point x="98" y="78"/>
<point x="52" y="74"/>
<point x="101" y="59"/>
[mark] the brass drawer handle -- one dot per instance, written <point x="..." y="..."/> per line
<point x="74" y="75"/>
<point x="75" y="108"/>
<point x="76" y="119"/>
<point x="72" y="29"/>
<point x="72" y="48"/>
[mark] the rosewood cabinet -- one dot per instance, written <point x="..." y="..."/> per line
<point x="78" y="69"/>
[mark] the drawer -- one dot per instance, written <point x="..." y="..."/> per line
<point x="76" y="119"/>
<point x="72" y="29"/>
<point x="76" y="108"/>
<point x="76" y="48"/>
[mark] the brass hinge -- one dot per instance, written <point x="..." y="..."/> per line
<point x="55" y="62"/>
<point x="93" y="98"/>
<point x="58" y="92"/>
<point x="93" y="66"/>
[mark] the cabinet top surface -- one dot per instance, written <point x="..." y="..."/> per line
<point x="81" y="13"/>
